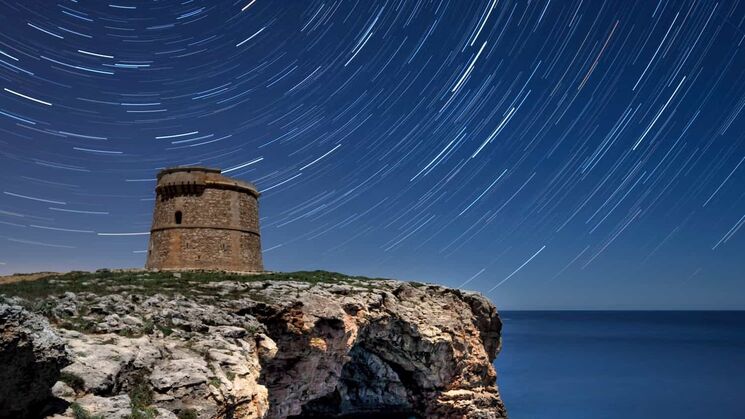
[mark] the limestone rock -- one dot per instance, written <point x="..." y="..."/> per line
<point x="176" y="373"/>
<point x="115" y="407"/>
<point x="101" y="360"/>
<point x="63" y="391"/>
<point x="270" y="349"/>
<point x="31" y="356"/>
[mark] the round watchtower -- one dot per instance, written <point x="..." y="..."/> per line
<point x="204" y="220"/>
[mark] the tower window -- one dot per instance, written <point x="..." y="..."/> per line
<point x="178" y="217"/>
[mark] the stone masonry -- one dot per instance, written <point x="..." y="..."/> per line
<point x="204" y="220"/>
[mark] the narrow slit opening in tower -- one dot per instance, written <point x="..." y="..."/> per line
<point x="178" y="217"/>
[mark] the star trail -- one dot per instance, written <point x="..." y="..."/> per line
<point x="548" y="153"/>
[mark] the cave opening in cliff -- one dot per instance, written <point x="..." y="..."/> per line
<point x="368" y="388"/>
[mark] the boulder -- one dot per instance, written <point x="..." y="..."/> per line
<point x="31" y="356"/>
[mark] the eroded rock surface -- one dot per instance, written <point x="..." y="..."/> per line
<point x="31" y="356"/>
<point x="261" y="348"/>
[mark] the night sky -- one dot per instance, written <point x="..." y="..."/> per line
<point x="551" y="154"/>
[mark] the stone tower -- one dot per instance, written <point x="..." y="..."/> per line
<point x="204" y="220"/>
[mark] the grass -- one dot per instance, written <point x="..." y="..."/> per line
<point x="75" y="382"/>
<point x="105" y="282"/>
<point x="141" y="393"/>
<point x="187" y="414"/>
<point x="141" y="399"/>
<point x="79" y="412"/>
<point x="166" y="330"/>
<point x="148" y="327"/>
<point x="148" y="413"/>
<point x="79" y="324"/>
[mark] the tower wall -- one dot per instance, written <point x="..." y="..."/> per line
<point x="203" y="220"/>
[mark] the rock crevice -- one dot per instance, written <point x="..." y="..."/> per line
<point x="247" y="348"/>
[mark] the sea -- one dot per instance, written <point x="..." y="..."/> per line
<point x="623" y="364"/>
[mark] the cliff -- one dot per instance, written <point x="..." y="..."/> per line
<point x="213" y="345"/>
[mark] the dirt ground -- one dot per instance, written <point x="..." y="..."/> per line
<point x="9" y="279"/>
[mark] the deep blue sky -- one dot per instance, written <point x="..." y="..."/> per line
<point x="560" y="154"/>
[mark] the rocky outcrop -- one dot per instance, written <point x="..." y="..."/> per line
<point x="31" y="356"/>
<point x="252" y="347"/>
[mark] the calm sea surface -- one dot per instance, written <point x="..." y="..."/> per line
<point x="623" y="365"/>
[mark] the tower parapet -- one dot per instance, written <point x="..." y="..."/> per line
<point x="204" y="220"/>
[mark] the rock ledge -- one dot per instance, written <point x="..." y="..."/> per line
<point x="302" y="345"/>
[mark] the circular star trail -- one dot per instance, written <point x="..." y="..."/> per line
<point x="549" y="154"/>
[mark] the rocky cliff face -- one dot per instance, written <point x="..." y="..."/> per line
<point x="31" y="356"/>
<point x="304" y="345"/>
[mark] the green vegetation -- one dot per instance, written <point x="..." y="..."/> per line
<point x="105" y="282"/>
<point x="79" y="324"/>
<point x="80" y="413"/>
<point x="166" y="330"/>
<point x="148" y="327"/>
<point x="43" y="307"/>
<point x="130" y="333"/>
<point x="187" y="414"/>
<point x="141" y="393"/>
<point x="141" y="399"/>
<point x="75" y="382"/>
<point x="215" y="382"/>
<point x="146" y="413"/>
